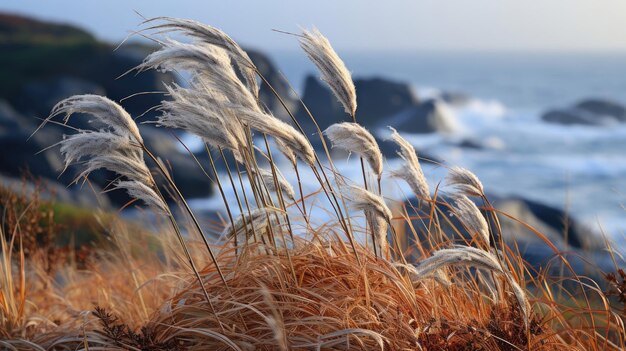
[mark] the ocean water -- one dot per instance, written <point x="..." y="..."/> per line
<point x="578" y="168"/>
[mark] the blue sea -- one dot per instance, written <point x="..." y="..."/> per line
<point x="578" y="168"/>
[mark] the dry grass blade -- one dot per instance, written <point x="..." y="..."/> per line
<point x="465" y="182"/>
<point x="354" y="138"/>
<point x="331" y="67"/>
<point x="411" y="171"/>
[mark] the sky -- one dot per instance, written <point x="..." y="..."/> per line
<point x="400" y="25"/>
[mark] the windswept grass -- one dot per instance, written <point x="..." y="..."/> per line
<point x="278" y="279"/>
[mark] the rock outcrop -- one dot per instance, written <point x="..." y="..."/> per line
<point x="595" y="112"/>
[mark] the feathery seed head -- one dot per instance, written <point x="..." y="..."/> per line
<point x="465" y="256"/>
<point x="332" y="69"/>
<point x="288" y="135"/>
<point x="106" y="111"/>
<point x="245" y="224"/>
<point x="377" y="214"/>
<point x="465" y="182"/>
<point x="471" y="217"/>
<point x="361" y="199"/>
<point x="352" y="137"/>
<point x="411" y="171"/>
<point x="141" y="191"/>
<point x="286" y="151"/>
<point x="189" y="112"/>
<point x="92" y="143"/>
<point x="212" y="36"/>
<point x="117" y="149"/>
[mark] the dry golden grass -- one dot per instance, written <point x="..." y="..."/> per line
<point x="270" y="287"/>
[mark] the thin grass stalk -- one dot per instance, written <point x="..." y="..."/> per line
<point x="295" y="167"/>
<point x="221" y="190"/>
<point x="179" y="235"/>
<point x="245" y="198"/>
<point x="353" y="115"/>
<point x="257" y="186"/>
<point x="344" y="221"/>
<point x="188" y="209"/>
<point x="279" y="194"/>
<point x="232" y="184"/>
<point x="281" y="200"/>
<point x="346" y="226"/>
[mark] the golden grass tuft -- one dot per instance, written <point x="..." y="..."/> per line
<point x="267" y="287"/>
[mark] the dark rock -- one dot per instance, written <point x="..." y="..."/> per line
<point x="454" y="98"/>
<point x="389" y="149"/>
<point x="566" y="227"/>
<point x="603" y="108"/>
<point x="428" y="117"/>
<point x="588" y="112"/>
<point x="42" y="62"/>
<point x="580" y="245"/>
<point x="377" y="98"/>
<point x="20" y="154"/>
<point x="269" y="71"/>
<point x="321" y="103"/>
<point x="471" y="144"/>
<point x="9" y="119"/>
<point x="44" y="94"/>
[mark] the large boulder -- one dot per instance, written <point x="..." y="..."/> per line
<point x="48" y="92"/>
<point x="578" y="243"/>
<point x="21" y="155"/>
<point x="595" y="112"/>
<point x="321" y="103"/>
<point x="376" y="99"/>
<point x="604" y="108"/>
<point x="553" y="222"/>
<point x="427" y="117"/>
<point x="43" y="62"/>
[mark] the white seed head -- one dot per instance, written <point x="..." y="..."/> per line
<point x="470" y="216"/>
<point x="288" y="135"/>
<point x="246" y="224"/>
<point x="106" y="111"/>
<point x="332" y="69"/>
<point x="377" y="214"/>
<point x="465" y="182"/>
<point x="211" y="36"/>
<point x="354" y="138"/>
<point x="465" y="256"/>
<point x="411" y="171"/>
